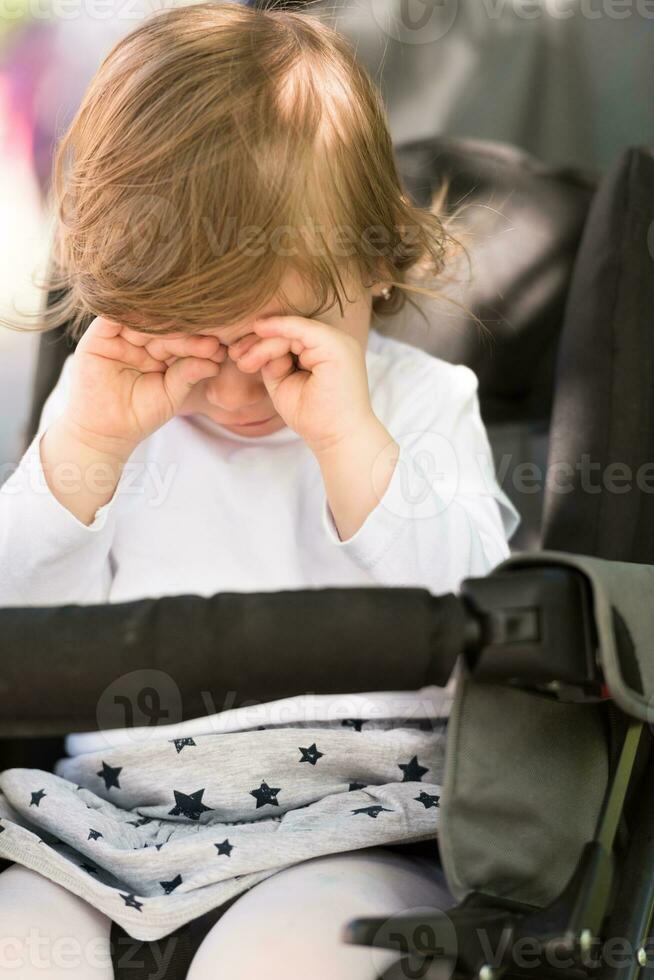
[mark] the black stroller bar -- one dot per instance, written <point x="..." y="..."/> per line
<point x="531" y="628"/>
<point x="330" y="640"/>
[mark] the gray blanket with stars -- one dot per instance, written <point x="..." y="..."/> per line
<point x="154" y="832"/>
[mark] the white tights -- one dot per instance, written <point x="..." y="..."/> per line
<point x="285" y="928"/>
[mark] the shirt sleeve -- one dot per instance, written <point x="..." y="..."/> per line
<point x="443" y="516"/>
<point x="48" y="556"/>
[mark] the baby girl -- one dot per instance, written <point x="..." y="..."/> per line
<point x="230" y="221"/>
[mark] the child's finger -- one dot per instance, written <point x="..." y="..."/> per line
<point x="282" y="369"/>
<point x="218" y="357"/>
<point x="315" y="342"/>
<point x="118" y="349"/>
<point x="136" y="337"/>
<point x="312" y="333"/>
<point x="188" y="345"/>
<point x="243" y="345"/>
<point x="184" y="373"/>
<point x="262" y="352"/>
<point x="102" y="326"/>
<point x="279" y="368"/>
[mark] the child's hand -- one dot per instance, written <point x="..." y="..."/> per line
<point x="325" y="397"/>
<point x="123" y="386"/>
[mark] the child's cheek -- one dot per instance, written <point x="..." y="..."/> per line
<point x="211" y="391"/>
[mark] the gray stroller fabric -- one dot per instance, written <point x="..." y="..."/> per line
<point x="524" y="784"/>
<point x="155" y="832"/>
<point x="526" y="774"/>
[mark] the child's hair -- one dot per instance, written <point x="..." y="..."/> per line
<point x="217" y="147"/>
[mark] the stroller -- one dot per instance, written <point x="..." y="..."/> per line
<point x="546" y="831"/>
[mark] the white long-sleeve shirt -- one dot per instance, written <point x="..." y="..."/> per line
<point x="200" y="509"/>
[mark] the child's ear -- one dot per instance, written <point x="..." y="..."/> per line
<point x="382" y="291"/>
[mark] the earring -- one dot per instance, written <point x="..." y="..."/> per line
<point x="386" y="292"/>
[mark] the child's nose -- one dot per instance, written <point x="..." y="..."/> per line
<point x="234" y="389"/>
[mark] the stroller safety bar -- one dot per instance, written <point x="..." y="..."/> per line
<point x="173" y="658"/>
<point x="528" y="624"/>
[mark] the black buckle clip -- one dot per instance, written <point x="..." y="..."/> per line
<point x="534" y="630"/>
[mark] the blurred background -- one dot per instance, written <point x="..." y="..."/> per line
<point x="570" y="81"/>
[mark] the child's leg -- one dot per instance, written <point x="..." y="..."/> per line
<point x="47" y="931"/>
<point x="288" y="926"/>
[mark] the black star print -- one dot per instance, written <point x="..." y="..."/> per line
<point x="190" y="806"/>
<point x="265" y="795"/>
<point x="94" y="834"/>
<point x="413" y="771"/>
<point x="427" y="801"/>
<point x="110" y="775"/>
<point x="169" y="886"/>
<point x="311" y="754"/>
<point x="373" y="811"/>
<point x="225" y="848"/>
<point x="130" y="900"/>
<point x="37" y="797"/>
<point x="89" y="867"/>
<point x="355" y="723"/>
<point x="356" y="785"/>
<point x="179" y="743"/>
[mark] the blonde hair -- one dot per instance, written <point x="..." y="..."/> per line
<point x="208" y="136"/>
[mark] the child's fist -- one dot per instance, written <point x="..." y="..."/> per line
<point x="315" y="375"/>
<point x="126" y="384"/>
